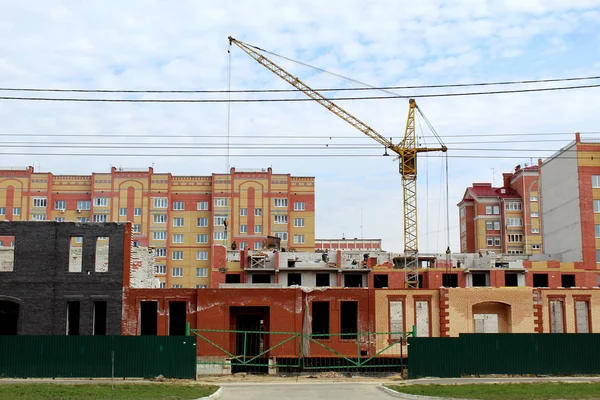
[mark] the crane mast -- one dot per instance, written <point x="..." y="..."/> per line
<point x="407" y="151"/>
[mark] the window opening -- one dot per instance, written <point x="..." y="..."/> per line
<point x="349" y="319"/>
<point x="380" y="281"/>
<point x="148" y="318"/>
<point x="102" y="250"/>
<point x="177" y="318"/>
<point x="99" y="328"/>
<point x="320" y="319"/>
<point x="323" y="280"/>
<point x="73" y="308"/>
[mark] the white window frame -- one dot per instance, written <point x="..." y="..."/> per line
<point x="160" y="269"/>
<point x="40" y="202"/>
<point x="160" y="218"/>
<point x="136" y="228"/>
<point x="220" y="235"/>
<point x="533" y="198"/>
<point x="137" y="212"/>
<point x="202" y="255"/>
<point x="283" y="236"/>
<point x="280" y="219"/>
<point x="221" y="201"/>
<point x="257" y="246"/>
<point x="83" y="219"/>
<point x="535" y="230"/>
<point x="243" y="245"/>
<point x="16" y="210"/>
<point x="258" y="212"/>
<point x="243" y="228"/>
<point x="219" y="220"/>
<point x="202" y="238"/>
<point x="534" y="214"/>
<point x="179" y="206"/>
<point x="100" y="201"/>
<point x="84" y="205"/>
<point x="514" y="206"/>
<point x="2" y="210"/>
<point x="178" y="238"/>
<point x="99" y="218"/>
<point x="243" y="212"/>
<point x="159" y="235"/>
<point x="299" y="239"/>
<point x="299" y="206"/>
<point x="514" y="222"/>
<point x="298" y="222"/>
<point x="177" y="272"/>
<point x="161" y="252"/>
<point x="178" y="222"/>
<point x="595" y="181"/>
<point x="177" y="255"/>
<point x="60" y="205"/>
<point x="202" y="206"/>
<point x="160" y="202"/>
<point x="257" y="228"/>
<point x="201" y="272"/>
<point x="280" y="202"/>
<point x="202" y="222"/>
<point x="59" y="219"/>
<point x="122" y="212"/>
<point x="596" y="206"/>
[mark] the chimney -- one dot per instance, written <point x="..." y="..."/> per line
<point x="578" y="137"/>
<point x="506" y="178"/>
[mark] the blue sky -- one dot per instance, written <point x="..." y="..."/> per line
<point x="151" y="44"/>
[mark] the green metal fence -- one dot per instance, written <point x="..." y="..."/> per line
<point x="97" y="356"/>
<point x="519" y="354"/>
<point x="230" y="351"/>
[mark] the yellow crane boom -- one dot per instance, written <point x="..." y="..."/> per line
<point x="407" y="151"/>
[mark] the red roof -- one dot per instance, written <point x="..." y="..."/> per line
<point x="486" y="190"/>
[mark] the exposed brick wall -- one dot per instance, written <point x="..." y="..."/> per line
<point x="42" y="285"/>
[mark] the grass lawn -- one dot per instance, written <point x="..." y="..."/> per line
<point x="507" y="391"/>
<point x="162" y="391"/>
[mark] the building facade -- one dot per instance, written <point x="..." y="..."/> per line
<point x="503" y="219"/>
<point x="570" y="193"/>
<point x="348" y="244"/>
<point x="181" y="217"/>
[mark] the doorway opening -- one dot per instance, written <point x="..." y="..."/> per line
<point x="9" y="318"/>
<point x="177" y="316"/>
<point x="251" y="337"/>
<point x="148" y="318"/>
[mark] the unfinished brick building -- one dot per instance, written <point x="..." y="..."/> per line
<point x="49" y="288"/>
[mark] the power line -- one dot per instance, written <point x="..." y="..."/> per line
<point x="300" y="99"/>
<point x="209" y="91"/>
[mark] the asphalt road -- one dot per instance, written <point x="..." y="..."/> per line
<point x="304" y="391"/>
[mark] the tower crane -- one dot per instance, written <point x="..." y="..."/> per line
<point x="407" y="152"/>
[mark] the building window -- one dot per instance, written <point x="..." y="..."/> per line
<point x="258" y="212"/>
<point x="557" y="313"/>
<point x="535" y="214"/>
<point x="161" y="202"/>
<point x="101" y="202"/>
<point x="178" y="205"/>
<point x="163" y="285"/>
<point x="243" y="228"/>
<point x="221" y="201"/>
<point x="463" y="227"/>
<point x="280" y="202"/>
<point x="298" y="206"/>
<point x="513" y="206"/>
<point x="59" y="219"/>
<point x="220" y="236"/>
<point x="201" y="272"/>
<point x="2" y="210"/>
<point x="136" y="228"/>
<point x="84" y="205"/>
<point x="176" y="272"/>
<point x="299" y="239"/>
<point x="515" y="238"/>
<point x="535" y="230"/>
<point x="515" y="252"/>
<point x="122" y="212"/>
<point x="60" y="205"/>
<point x="177" y="286"/>
<point x="99" y="218"/>
<point x="202" y="255"/>
<point x="536" y="247"/>
<point x="202" y="238"/>
<point x="160" y="269"/>
<point x="280" y="219"/>
<point x="597" y="231"/>
<point x="514" y="222"/>
<point x="598" y="257"/>
<point x="257" y="228"/>
<point x="159" y="235"/>
<point x="492" y="225"/>
<point x="177" y="238"/>
<point x="201" y="286"/>
<point x="177" y="255"/>
<point x="161" y="252"/>
<point x="137" y="212"/>
<point x="16" y="210"/>
<point x="596" y="181"/>
<point x="597" y="206"/>
<point x="243" y="212"/>
<point x="220" y="220"/>
<point x="202" y="206"/>
<point x="202" y="222"/>
<point x="40" y="202"/>
<point x="243" y="245"/>
<point x="160" y="218"/>
<point x="282" y="235"/>
<point x="497" y="241"/>
<point x="83" y="219"/>
<point x="298" y="222"/>
<point x="533" y="198"/>
<point x="463" y="212"/>
<point x="490" y="242"/>
<point x="492" y="210"/>
<point x="38" y="217"/>
<point x="396" y="319"/>
<point x="257" y="245"/>
<point x="178" y="222"/>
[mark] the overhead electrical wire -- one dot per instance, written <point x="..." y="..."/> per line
<point x="299" y="99"/>
<point x="210" y="91"/>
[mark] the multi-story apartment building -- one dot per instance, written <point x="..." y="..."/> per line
<point x="348" y="244"/>
<point x="503" y="219"/>
<point x="570" y="193"/>
<point x="181" y="217"/>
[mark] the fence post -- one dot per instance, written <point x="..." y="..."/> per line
<point x="414" y="331"/>
<point x="187" y="329"/>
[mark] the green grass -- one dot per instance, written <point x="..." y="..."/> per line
<point x="507" y="391"/>
<point x="158" y="391"/>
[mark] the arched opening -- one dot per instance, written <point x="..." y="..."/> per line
<point x="9" y="317"/>
<point x="492" y="317"/>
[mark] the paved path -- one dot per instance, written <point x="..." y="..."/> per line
<point x="304" y="391"/>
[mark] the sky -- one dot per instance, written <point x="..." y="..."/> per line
<point x="167" y="45"/>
